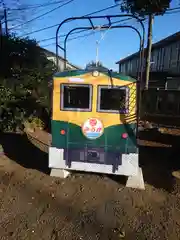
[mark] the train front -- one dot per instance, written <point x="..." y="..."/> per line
<point x="94" y="123"/>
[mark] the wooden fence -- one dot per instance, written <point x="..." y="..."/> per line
<point x="161" y="106"/>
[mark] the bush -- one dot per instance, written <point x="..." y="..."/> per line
<point x="25" y="73"/>
<point x="33" y="123"/>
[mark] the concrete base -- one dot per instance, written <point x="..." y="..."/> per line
<point x="129" y="165"/>
<point x="136" y="181"/>
<point x="61" y="173"/>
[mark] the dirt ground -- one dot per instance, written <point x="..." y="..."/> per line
<point x="35" y="206"/>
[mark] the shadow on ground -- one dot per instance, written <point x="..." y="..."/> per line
<point x="18" y="148"/>
<point x="157" y="166"/>
<point x="155" y="136"/>
<point x="158" y="163"/>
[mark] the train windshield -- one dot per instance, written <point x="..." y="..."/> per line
<point x="113" y="99"/>
<point x="76" y="97"/>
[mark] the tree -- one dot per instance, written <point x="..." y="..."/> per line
<point x="148" y="8"/>
<point x="93" y="65"/>
<point x="25" y="73"/>
<point x="144" y="7"/>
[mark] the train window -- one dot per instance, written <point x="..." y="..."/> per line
<point x="113" y="99"/>
<point x="76" y="97"/>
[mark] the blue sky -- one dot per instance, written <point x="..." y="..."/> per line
<point x="116" y="44"/>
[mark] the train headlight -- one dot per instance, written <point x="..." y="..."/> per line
<point x="95" y="73"/>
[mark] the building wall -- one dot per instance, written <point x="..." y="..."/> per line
<point x="163" y="59"/>
<point x="53" y="59"/>
<point x="61" y="63"/>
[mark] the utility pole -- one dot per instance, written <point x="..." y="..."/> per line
<point x="0" y="28"/>
<point x="5" y="17"/>
<point x="1" y="17"/>
<point x="5" y="20"/>
<point x="148" y="49"/>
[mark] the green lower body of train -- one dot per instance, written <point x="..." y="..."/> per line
<point x="112" y="139"/>
<point x="114" y="152"/>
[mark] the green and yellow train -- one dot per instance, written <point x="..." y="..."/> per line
<point x="94" y="124"/>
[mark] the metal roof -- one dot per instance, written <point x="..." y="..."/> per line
<point x="170" y="39"/>
<point x="75" y="73"/>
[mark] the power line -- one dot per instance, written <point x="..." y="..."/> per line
<point x="42" y="15"/>
<point x="36" y="6"/>
<point x="84" y="30"/>
<point x="169" y="11"/>
<point x="61" y="36"/>
<point x="172" y="12"/>
<point x="39" y="30"/>
<point x="74" y="38"/>
<point x="55" y="25"/>
<point x="85" y="35"/>
<point x="102" y="10"/>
